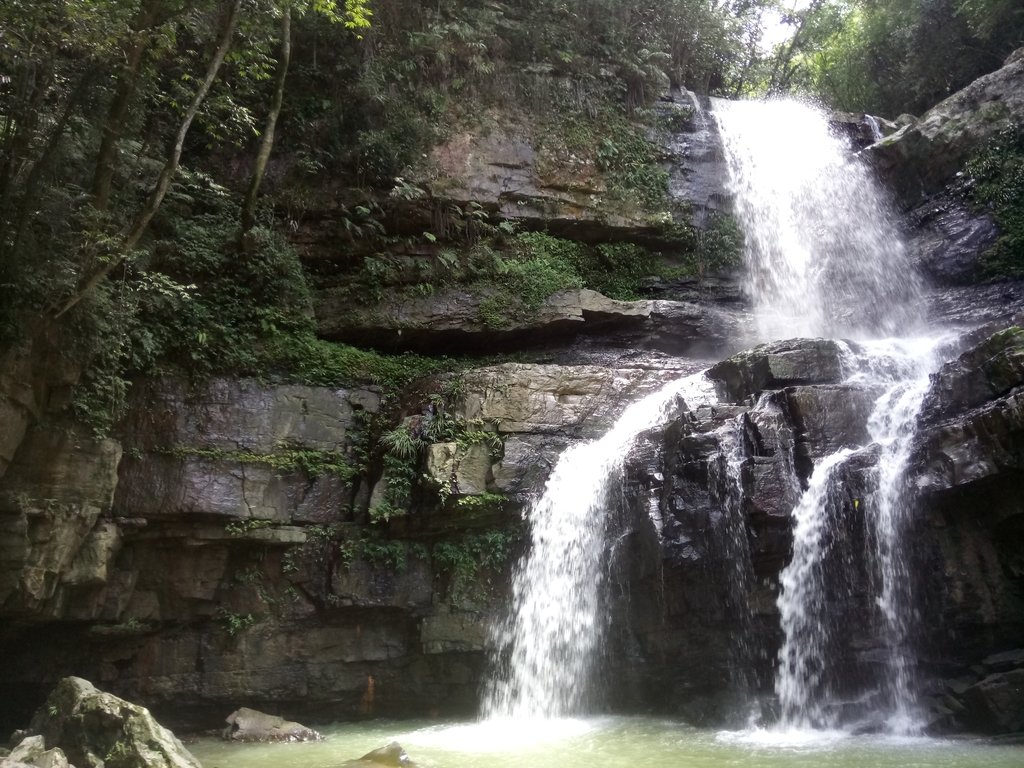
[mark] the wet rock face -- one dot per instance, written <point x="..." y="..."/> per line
<point x="947" y="239"/>
<point x="989" y="370"/>
<point x="778" y="364"/>
<point x="685" y="618"/>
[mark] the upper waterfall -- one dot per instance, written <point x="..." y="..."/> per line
<point x="823" y="254"/>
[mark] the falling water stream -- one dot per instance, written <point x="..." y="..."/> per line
<point x="824" y="258"/>
<point x="555" y="625"/>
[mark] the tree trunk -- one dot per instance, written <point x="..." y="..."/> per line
<point x="138" y="228"/>
<point x="134" y="52"/>
<point x="28" y="194"/>
<point x="267" y="143"/>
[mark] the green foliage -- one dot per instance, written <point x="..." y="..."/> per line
<point x="242" y="527"/>
<point x="235" y="623"/>
<point x="482" y="503"/>
<point x="400" y="443"/>
<point x="719" y="245"/>
<point x="470" y="560"/>
<point x="379" y="552"/>
<point x="997" y="172"/>
<point x="233" y="307"/>
<point x="404" y="447"/>
<point x="311" y="462"/>
<point x="530" y="276"/>
<point x="619" y="269"/>
<point x="894" y="57"/>
<point x="307" y="359"/>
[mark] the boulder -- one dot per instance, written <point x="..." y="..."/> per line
<point x="923" y="157"/>
<point x="99" y="730"/>
<point x="392" y="756"/>
<point x="996" y="704"/>
<point x="32" y="751"/>
<point x="778" y="364"/>
<point x="987" y="371"/>
<point x="252" y="725"/>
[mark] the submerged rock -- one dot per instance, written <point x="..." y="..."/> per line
<point x="392" y="756"/>
<point x="252" y="725"/>
<point x="99" y="730"/>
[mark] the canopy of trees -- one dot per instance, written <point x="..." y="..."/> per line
<point x="892" y="56"/>
<point x="137" y="137"/>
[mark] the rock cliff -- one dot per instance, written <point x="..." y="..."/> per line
<point x="236" y="541"/>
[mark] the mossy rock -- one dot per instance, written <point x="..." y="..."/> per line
<point x="100" y="730"/>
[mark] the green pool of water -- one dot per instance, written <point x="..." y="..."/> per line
<point x="611" y="742"/>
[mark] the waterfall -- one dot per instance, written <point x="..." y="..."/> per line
<point x="555" y="623"/>
<point x="899" y="368"/>
<point x="801" y="683"/>
<point x="876" y="127"/>
<point x="824" y="258"/>
<point x="891" y="427"/>
<point x="823" y="255"/>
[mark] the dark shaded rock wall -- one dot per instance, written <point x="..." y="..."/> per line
<point x="696" y="632"/>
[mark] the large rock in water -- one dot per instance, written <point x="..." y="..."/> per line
<point x="99" y="730"/>
<point x="252" y="725"/>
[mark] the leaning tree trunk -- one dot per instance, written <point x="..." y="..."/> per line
<point x="134" y="51"/>
<point x="138" y="228"/>
<point x="248" y="218"/>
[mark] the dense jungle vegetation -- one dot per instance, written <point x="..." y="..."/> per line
<point x="157" y="156"/>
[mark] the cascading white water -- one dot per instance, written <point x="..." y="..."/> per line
<point x="891" y="427"/>
<point x="900" y="369"/>
<point x="824" y="258"/>
<point x="803" y="605"/>
<point x="555" y="624"/>
<point x="823" y="255"/>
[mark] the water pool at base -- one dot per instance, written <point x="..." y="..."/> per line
<point x="609" y="742"/>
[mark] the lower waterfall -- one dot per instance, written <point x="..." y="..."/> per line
<point x="554" y="624"/>
<point x="900" y="368"/>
